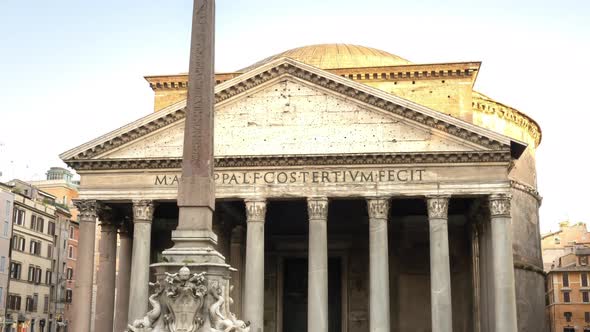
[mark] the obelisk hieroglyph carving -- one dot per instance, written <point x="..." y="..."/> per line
<point x="196" y="193"/>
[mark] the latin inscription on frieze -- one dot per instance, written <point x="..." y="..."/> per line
<point x="306" y="177"/>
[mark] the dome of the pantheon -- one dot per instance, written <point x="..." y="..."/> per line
<point x="334" y="56"/>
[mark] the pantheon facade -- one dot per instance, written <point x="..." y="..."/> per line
<point x="411" y="193"/>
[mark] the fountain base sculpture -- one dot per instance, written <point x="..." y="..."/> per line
<point x="190" y="302"/>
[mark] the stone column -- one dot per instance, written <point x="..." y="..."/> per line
<point x="440" y="273"/>
<point x="82" y="297"/>
<point x="105" y="294"/>
<point x="254" y="281"/>
<point x="143" y="212"/>
<point x="379" y="265"/>
<point x="503" y="264"/>
<point x="123" y="279"/>
<point x="237" y="262"/>
<point x="317" y="270"/>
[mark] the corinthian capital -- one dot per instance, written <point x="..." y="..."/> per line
<point x="378" y="208"/>
<point x="438" y="207"/>
<point x="88" y="208"/>
<point x="255" y="210"/>
<point x="317" y="208"/>
<point x="143" y="210"/>
<point x="500" y="205"/>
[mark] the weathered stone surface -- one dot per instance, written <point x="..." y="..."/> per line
<point x="291" y="117"/>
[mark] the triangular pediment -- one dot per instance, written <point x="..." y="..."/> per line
<point x="288" y="108"/>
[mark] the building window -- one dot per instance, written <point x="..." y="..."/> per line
<point x="15" y="270"/>
<point x="587" y="317"/>
<point x="33" y="222"/>
<point x="35" y="247"/>
<point x="31" y="275"/>
<point x="19" y="217"/>
<point x="566" y="280"/>
<point x="49" y="251"/>
<point x="566" y="297"/>
<point x="29" y="304"/>
<point x="6" y="226"/>
<point x="2" y="267"/>
<point x="584" y="260"/>
<point x="68" y="295"/>
<point x="35" y="302"/>
<point x="7" y="217"/>
<point x="584" y="279"/>
<point x="40" y="225"/>
<point x="48" y="275"/>
<point x="569" y="329"/>
<point x="568" y="316"/>
<point x="51" y="228"/>
<point x="70" y="273"/>
<point x="1" y="292"/>
<point x="72" y="232"/>
<point x="71" y="252"/>
<point x="46" y="304"/>
<point x="14" y="302"/>
<point x="585" y="297"/>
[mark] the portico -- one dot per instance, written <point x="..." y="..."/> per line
<point x="340" y="206"/>
<point x="364" y="235"/>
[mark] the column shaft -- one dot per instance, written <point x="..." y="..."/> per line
<point x="254" y="281"/>
<point x="82" y="295"/>
<point x="123" y="281"/>
<point x="440" y="274"/>
<point x="379" y="302"/>
<point x="105" y="295"/>
<point x="237" y="262"/>
<point x="140" y="264"/>
<point x="503" y="264"/>
<point x="317" y="271"/>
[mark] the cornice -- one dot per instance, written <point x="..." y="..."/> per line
<point x="350" y="89"/>
<point x="302" y="160"/>
<point x="391" y="73"/>
<point x="527" y="189"/>
<point x="508" y="113"/>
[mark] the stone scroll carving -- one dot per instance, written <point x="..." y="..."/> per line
<point x="188" y="302"/>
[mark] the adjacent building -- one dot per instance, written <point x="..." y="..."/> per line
<point x="6" y="208"/>
<point x="565" y="240"/>
<point x="60" y="183"/>
<point x="568" y="292"/>
<point x="32" y="267"/>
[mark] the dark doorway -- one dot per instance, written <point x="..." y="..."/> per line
<point x="295" y="295"/>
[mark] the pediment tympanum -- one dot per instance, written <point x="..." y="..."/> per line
<point x="290" y="117"/>
<point x="288" y="108"/>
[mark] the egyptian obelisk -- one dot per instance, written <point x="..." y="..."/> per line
<point x="194" y="239"/>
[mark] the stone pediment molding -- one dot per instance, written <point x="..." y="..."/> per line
<point x="443" y="123"/>
<point x="502" y="156"/>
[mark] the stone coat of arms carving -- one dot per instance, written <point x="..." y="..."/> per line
<point x="188" y="302"/>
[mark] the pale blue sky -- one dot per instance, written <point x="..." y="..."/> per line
<point x="73" y="70"/>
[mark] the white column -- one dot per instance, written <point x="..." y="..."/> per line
<point x="254" y="281"/>
<point x="123" y="279"/>
<point x="440" y="273"/>
<point x="82" y="295"/>
<point x="379" y="265"/>
<point x="105" y="294"/>
<point x="317" y="270"/>
<point x="237" y="262"/>
<point x="503" y="264"/>
<point x="143" y="212"/>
